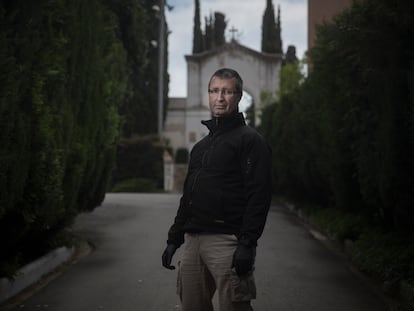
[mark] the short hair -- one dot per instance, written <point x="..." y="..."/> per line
<point x="228" y="73"/>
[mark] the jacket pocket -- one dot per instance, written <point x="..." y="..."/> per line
<point x="242" y="288"/>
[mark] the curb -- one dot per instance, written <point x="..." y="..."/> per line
<point x="33" y="272"/>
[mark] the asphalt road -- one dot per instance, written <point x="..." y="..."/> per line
<point x="295" y="271"/>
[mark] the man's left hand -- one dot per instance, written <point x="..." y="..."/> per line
<point x="243" y="259"/>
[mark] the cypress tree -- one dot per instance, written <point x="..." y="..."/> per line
<point x="271" y="31"/>
<point x="214" y="31"/>
<point x="139" y="114"/>
<point x="67" y="68"/>
<point x="219" y="28"/>
<point x="150" y="83"/>
<point x="278" y="33"/>
<point x="198" y="36"/>
<point x="209" y="33"/>
<point x="63" y="76"/>
<point x="290" y="57"/>
<point x="140" y="26"/>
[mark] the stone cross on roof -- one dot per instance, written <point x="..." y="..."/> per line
<point x="233" y="32"/>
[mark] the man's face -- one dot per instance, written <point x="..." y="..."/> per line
<point x="223" y="97"/>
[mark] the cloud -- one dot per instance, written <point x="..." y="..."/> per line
<point x="245" y="15"/>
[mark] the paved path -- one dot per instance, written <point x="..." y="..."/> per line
<point x="294" y="271"/>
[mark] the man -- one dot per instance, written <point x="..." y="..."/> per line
<point x="223" y="209"/>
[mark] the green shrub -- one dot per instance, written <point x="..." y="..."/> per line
<point x="181" y="156"/>
<point x="338" y="225"/>
<point x="388" y="256"/>
<point x="136" y="185"/>
<point x="8" y="268"/>
<point x="139" y="158"/>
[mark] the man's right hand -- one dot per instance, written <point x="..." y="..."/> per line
<point x="168" y="255"/>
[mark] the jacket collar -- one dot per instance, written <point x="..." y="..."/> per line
<point x="225" y="123"/>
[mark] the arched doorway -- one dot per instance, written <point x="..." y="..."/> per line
<point x="246" y="106"/>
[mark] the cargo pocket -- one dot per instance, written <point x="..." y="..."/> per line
<point x="179" y="285"/>
<point x="242" y="288"/>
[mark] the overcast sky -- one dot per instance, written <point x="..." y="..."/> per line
<point x="244" y="15"/>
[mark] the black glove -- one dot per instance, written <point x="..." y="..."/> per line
<point x="168" y="255"/>
<point x="243" y="259"/>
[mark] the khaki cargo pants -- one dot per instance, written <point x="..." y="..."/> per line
<point x="205" y="267"/>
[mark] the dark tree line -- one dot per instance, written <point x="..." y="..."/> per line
<point x="213" y="34"/>
<point x="76" y="75"/>
<point x="345" y="137"/>
<point x="215" y="27"/>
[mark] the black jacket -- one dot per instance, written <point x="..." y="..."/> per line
<point x="228" y="184"/>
